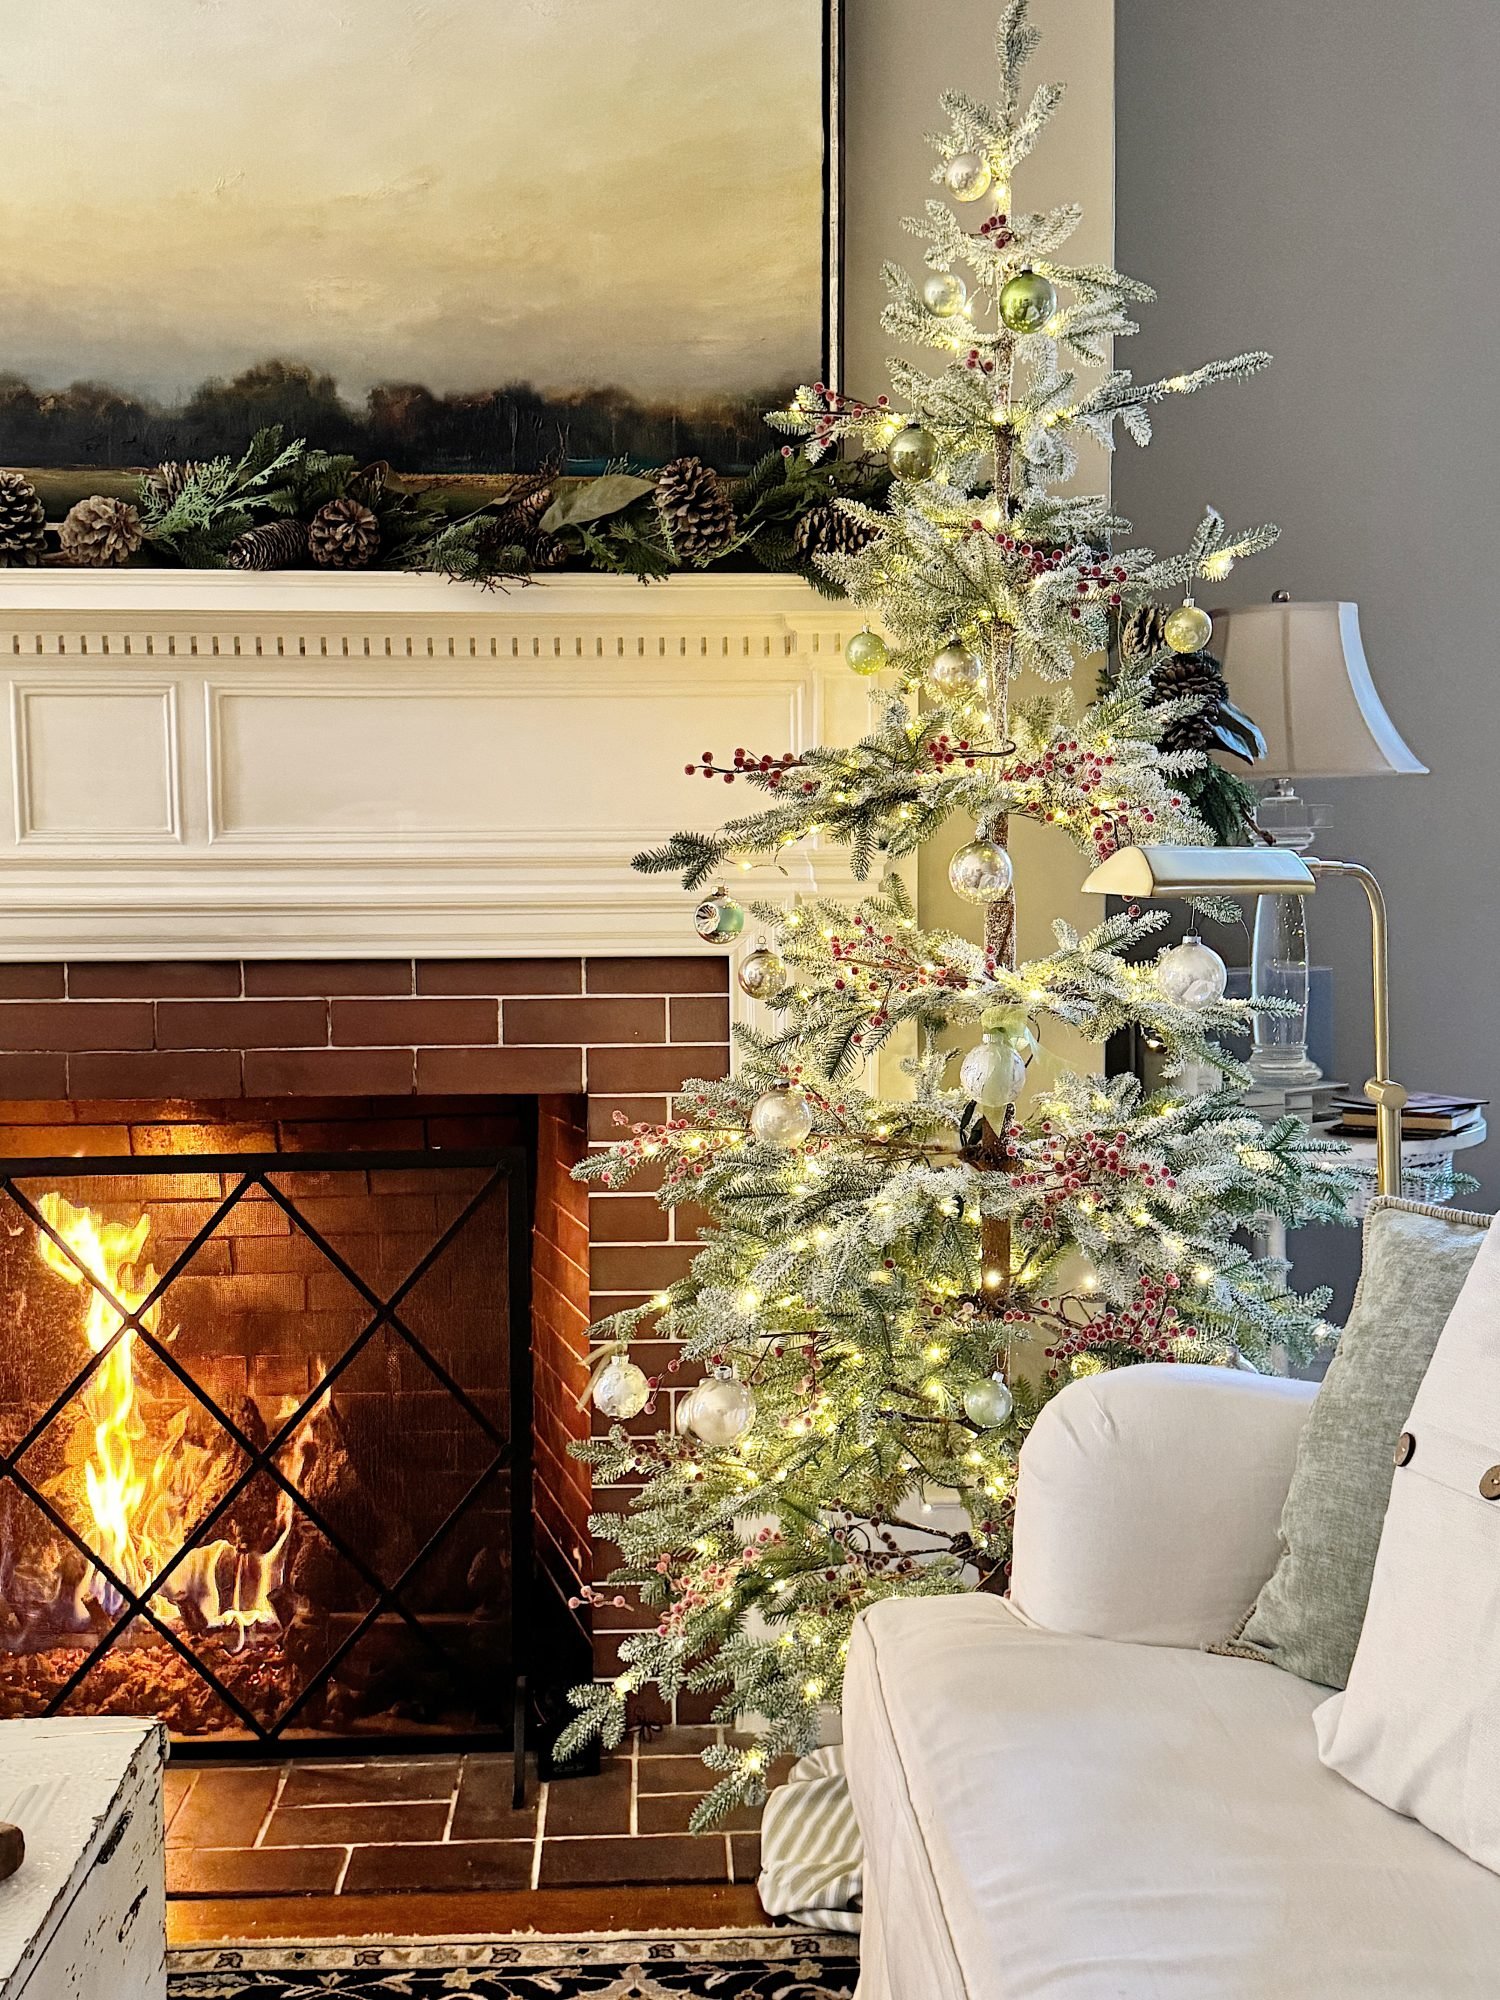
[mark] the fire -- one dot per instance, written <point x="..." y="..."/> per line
<point x="139" y="1499"/>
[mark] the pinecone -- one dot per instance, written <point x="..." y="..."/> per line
<point x="547" y="551"/>
<point x="696" y="511"/>
<point x="1181" y="675"/>
<point x="23" y="522"/>
<point x="270" y="545"/>
<point x="344" y="534"/>
<point x="101" y="531"/>
<point x="827" y="530"/>
<point x="169" y="478"/>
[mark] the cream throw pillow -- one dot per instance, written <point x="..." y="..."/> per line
<point x="1418" y="1726"/>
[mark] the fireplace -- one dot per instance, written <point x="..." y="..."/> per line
<point x="264" y="1444"/>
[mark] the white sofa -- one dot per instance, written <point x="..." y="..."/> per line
<point x="1062" y="1795"/>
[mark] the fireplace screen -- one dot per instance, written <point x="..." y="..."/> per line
<point x="263" y="1444"/>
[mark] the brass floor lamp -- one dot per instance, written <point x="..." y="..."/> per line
<point x="1147" y="873"/>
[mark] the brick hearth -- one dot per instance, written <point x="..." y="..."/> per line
<point x="295" y="1054"/>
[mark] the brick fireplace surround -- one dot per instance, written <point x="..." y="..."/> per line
<point x="397" y="1053"/>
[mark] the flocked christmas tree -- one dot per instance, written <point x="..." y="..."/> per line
<point x="891" y="1287"/>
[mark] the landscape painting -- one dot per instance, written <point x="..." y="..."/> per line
<point x="469" y="237"/>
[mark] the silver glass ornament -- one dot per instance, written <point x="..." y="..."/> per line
<point x="944" y="294"/>
<point x="867" y="652"/>
<point x="762" y="973"/>
<point x="782" y="1118"/>
<point x="955" y="670"/>
<point x="981" y="872"/>
<point x="718" y="917"/>
<point x="912" y="453"/>
<point x="967" y="176"/>
<point x="1192" y="973"/>
<point x="993" y="1072"/>
<point x="989" y="1403"/>
<point x="621" y="1390"/>
<point x="719" y="1411"/>
<point x="1188" y="629"/>
<point x="1027" y="302"/>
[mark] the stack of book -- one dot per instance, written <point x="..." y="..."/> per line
<point x="1427" y="1115"/>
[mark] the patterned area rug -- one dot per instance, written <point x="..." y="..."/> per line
<point x="672" y="1965"/>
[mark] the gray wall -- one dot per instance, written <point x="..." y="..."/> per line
<point x="1322" y="178"/>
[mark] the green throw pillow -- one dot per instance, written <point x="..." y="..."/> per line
<point x="1308" y="1617"/>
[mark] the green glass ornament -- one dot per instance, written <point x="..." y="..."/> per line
<point x="912" y="453"/>
<point x="1027" y="302"/>
<point x="718" y="918"/>
<point x="867" y="652"/>
<point x="1188" y="629"/>
<point x="944" y="294"/>
<point x="989" y="1403"/>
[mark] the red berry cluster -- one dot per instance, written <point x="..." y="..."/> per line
<point x="1063" y="1168"/>
<point x="879" y="962"/>
<point x="944" y="751"/>
<point x="1094" y="579"/>
<point x="1147" y="1328"/>
<point x="830" y="409"/>
<point x="747" y="765"/>
<point x="996" y="232"/>
<point x="973" y="359"/>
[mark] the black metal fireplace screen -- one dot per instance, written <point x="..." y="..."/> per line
<point x="278" y="1493"/>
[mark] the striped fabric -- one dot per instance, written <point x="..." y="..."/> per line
<point x="810" y="1852"/>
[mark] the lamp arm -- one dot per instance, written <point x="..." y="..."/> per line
<point x="1384" y="1093"/>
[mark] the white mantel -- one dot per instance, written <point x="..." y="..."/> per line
<point x="207" y="764"/>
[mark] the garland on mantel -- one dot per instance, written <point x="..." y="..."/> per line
<point x="292" y="506"/>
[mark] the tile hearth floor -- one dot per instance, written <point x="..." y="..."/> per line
<point x="341" y="1834"/>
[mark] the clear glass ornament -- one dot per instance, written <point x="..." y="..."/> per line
<point x="967" y="176"/>
<point x="944" y="294"/>
<point x="718" y="917"/>
<point x="993" y="1072"/>
<point x="1027" y="302"/>
<point x="1188" y="629"/>
<point x="912" y="453"/>
<point x="989" y="1403"/>
<point x="719" y="1411"/>
<point x="955" y="670"/>
<point x="762" y="973"/>
<point x="867" y="652"/>
<point x="1192" y="973"/>
<point x="621" y="1389"/>
<point x="981" y="872"/>
<point x="781" y="1118"/>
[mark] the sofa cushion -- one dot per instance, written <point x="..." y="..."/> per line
<point x="1078" y="1818"/>
<point x="1419" y="1725"/>
<point x="1307" y="1618"/>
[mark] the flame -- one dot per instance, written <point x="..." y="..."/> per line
<point x="140" y="1511"/>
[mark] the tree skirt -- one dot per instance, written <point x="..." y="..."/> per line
<point x="672" y="1965"/>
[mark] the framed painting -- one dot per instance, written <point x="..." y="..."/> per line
<point x="469" y="237"/>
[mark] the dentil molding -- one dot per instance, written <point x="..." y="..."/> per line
<point x="204" y="763"/>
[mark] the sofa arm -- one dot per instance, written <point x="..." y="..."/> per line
<point x="1149" y="1499"/>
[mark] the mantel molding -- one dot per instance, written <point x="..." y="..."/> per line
<point x="205" y="764"/>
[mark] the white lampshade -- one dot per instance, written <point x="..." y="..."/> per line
<point x="1300" y="671"/>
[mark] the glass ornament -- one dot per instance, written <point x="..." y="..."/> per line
<point x="621" y="1389"/>
<point x="867" y="652"/>
<point x="782" y="1118"/>
<point x="762" y="973"/>
<point x="1188" y="629"/>
<point x="944" y="294"/>
<point x="989" y="1403"/>
<point x="1027" y="302"/>
<point x="993" y="1072"/>
<point x="912" y="453"/>
<point x="1192" y="973"/>
<point x="955" y="670"/>
<point x="967" y="176"/>
<point x="718" y="917"/>
<point x="980" y="872"/>
<point x="719" y="1411"/>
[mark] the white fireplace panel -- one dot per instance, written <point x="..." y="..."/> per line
<point x="205" y="764"/>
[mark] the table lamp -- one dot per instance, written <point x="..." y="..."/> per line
<point x="1140" y="873"/>
<point x="1300" y="670"/>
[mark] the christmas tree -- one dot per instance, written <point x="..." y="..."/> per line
<point x="892" y="1286"/>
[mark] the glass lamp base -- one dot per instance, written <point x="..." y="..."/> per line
<point x="1284" y="1068"/>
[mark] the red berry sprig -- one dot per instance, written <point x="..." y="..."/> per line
<point x="996" y="231"/>
<point x="747" y="765"/>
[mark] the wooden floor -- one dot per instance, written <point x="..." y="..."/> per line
<point x="431" y="1846"/>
